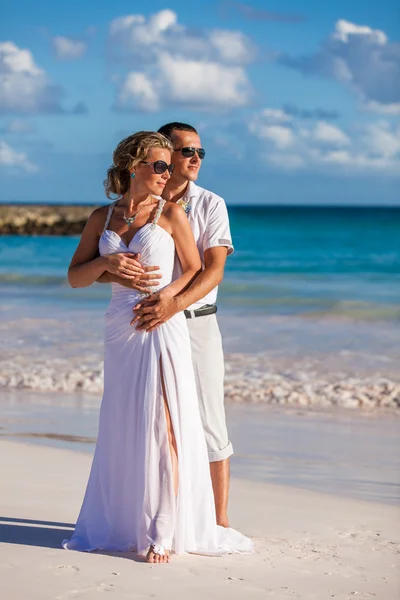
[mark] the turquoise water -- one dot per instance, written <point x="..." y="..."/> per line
<point x="338" y="262"/>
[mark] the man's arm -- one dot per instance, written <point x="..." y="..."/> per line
<point x="217" y="245"/>
<point x="209" y="278"/>
<point x="163" y="308"/>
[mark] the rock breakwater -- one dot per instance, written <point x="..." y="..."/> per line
<point x="43" y="219"/>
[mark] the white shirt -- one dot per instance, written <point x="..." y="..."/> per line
<point x="208" y="218"/>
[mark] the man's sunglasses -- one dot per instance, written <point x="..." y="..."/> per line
<point x="160" y="166"/>
<point x="188" y="152"/>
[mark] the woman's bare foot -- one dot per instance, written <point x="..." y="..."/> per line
<point x="158" y="554"/>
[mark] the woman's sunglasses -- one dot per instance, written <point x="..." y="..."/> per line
<point x="160" y="166"/>
<point x="188" y="152"/>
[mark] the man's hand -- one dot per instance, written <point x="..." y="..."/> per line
<point x="155" y="310"/>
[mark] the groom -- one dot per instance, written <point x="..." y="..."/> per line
<point x="208" y="218"/>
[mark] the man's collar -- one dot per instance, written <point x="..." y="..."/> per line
<point x="192" y="190"/>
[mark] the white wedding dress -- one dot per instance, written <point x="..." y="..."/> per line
<point x="129" y="502"/>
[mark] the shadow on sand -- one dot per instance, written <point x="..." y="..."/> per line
<point x="46" y="534"/>
<point x="29" y="532"/>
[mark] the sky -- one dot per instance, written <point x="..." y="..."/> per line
<point x="295" y="103"/>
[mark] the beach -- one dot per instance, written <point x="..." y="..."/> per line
<point x="309" y="545"/>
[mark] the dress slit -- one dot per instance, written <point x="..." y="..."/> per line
<point x="162" y="491"/>
<point x="171" y="433"/>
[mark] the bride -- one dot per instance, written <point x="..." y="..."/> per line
<point x="149" y="488"/>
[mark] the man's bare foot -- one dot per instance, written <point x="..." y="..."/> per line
<point x="158" y="554"/>
<point x="223" y="521"/>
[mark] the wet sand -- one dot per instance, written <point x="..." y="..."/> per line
<point x="341" y="452"/>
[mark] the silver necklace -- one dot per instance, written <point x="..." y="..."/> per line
<point x="132" y="219"/>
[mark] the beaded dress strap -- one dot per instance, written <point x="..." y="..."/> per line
<point x="110" y="211"/>
<point x="159" y="210"/>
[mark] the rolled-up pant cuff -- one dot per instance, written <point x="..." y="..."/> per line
<point x="216" y="455"/>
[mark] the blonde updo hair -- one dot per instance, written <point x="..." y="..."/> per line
<point x="129" y="153"/>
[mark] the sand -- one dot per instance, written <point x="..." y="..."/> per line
<point x="308" y="545"/>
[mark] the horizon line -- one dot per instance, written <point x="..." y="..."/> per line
<point x="230" y="204"/>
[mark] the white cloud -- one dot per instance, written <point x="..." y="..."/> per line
<point x="232" y="46"/>
<point x="344" y="30"/>
<point x="383" y="109"/>
<point x="205" y="83"/>
<point x="326" y="132"/>
<point x="121" y="24"/>
<point x="203" y="69"/>
<point x="273" y="125"/>
<point x="382" y="139"/>
<point x="276" y="115"/>
<point x="141" y="37"/>
<point x="361" y="58"/>
<point x="11" y="159"/>
<point x="291" y="144"/>
<point x="200" y="84"/>
<point x="137" y="91"/>
<point x="24" y="87"/>
<point x="68" y="49"/>
<point x="281" y="136"/>
<point x="133" y="32"/>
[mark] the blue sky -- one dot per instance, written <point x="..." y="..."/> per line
<point x="294" y="102"/>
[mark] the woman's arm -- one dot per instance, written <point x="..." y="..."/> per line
<point x="87" y="266"/>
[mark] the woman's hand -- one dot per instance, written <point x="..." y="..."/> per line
<point x="87" y="266"/>
<point x="142" y="283"/>
<point x="125" y="265"/>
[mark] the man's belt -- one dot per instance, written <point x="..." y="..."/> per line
<point x="207" y="309"/>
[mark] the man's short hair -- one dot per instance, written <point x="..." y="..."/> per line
<point x="166" y="130"/>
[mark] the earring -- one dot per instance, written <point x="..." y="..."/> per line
<point x="133" y="175"/>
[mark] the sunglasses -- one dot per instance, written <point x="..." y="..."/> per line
<point x="188" y="152"/>
<point x="160" y="166"/>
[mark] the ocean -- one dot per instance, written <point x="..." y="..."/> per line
<point x="307" y="287"/>
<point x="315" y="261"/>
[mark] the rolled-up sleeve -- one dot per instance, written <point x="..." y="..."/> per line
<point x="217" y="230"/>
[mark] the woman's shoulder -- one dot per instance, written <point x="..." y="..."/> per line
<point x="173" y="210"/>
<point x="98" y="217"/>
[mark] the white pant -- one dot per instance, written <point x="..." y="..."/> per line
<point x="208" y="364"/>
